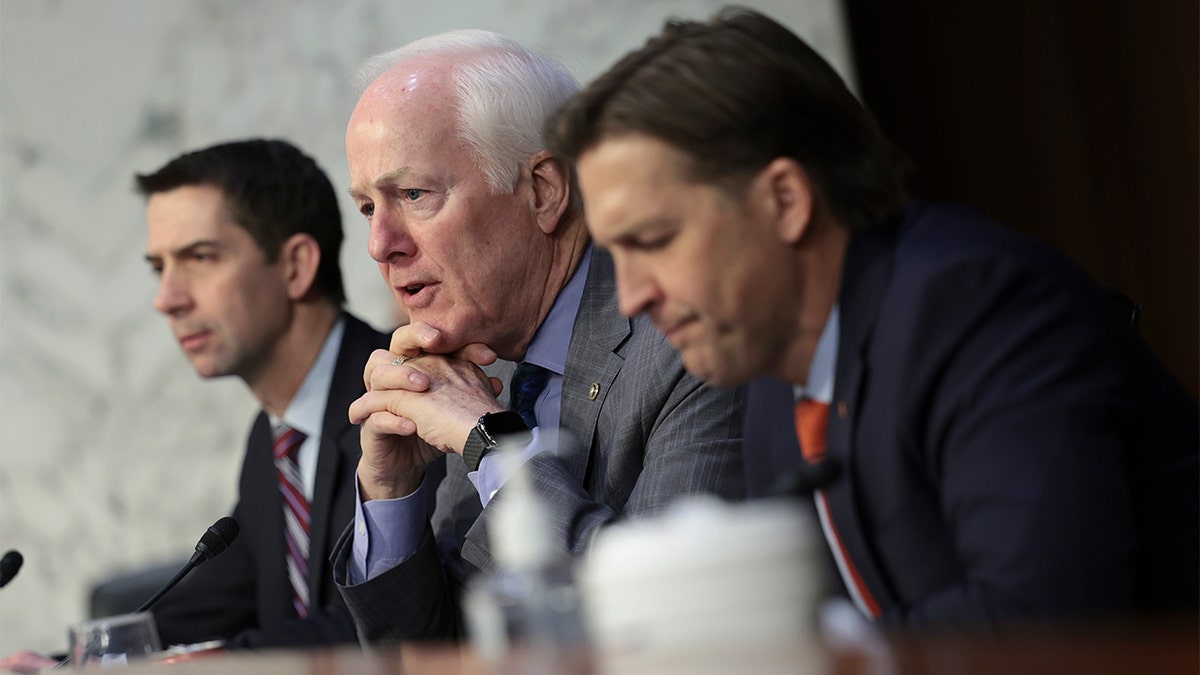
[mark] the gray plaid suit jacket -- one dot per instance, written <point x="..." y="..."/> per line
<point x="652" y="434"/>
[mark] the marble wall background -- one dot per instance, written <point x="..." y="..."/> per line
<point x="113" y="454"/>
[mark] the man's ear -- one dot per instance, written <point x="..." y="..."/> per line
<point x="789" y="196"/>
<point x="551" y="190"/>
<point x="299" y="258"/>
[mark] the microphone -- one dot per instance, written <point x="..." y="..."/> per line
<point x="806" y="480"/>
<point x="216" y="539"/>
<point x="212" y="543"/>
<point x="10" y="564"/>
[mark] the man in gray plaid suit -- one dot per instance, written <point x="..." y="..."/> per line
<point x="480" y="235"/>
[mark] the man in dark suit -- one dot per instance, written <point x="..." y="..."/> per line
<point x="1009" y="448"/>
<point x="245" y="239"/>
<point x="477" y="231"/>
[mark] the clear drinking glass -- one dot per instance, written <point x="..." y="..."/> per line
<point x="113" y="640"/>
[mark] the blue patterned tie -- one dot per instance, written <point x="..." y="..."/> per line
<point x="526" y="385"/>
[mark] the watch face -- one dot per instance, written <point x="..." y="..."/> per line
<point x="501" y="423"/>
<point x="487" y="433"/>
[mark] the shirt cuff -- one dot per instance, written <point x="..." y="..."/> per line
<point x="386" y="533"/>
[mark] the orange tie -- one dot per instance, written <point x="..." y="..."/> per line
<point x="812" y="423"/>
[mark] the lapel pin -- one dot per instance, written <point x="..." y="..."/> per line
<point x="594" y="391"/>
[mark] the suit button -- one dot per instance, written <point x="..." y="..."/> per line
<point x="843" y="410"/>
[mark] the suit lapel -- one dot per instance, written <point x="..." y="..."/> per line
<point x="265" y="507"/>
<point x="771" y="450"/>
<point x="865" y="279"/>
<point x="592" y="359"/>
<point x="339" y="447"/>
<point x="598" y="333"/>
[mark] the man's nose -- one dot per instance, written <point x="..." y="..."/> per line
<point x="173" y="296"/>
<point x="389" y="237"/>
<point x="637" y="289"/>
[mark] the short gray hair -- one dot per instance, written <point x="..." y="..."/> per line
<point x="506" y="91"/>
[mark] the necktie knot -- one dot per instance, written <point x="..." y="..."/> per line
<point x="287" y="441"/>
<point x="526" y="385"/>
<point x="812" y="423"/>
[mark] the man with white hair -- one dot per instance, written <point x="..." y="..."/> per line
<point x="477" y="230"/>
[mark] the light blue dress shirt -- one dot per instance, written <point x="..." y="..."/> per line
<point x="821" y="373"/>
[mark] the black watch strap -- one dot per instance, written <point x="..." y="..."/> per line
<point x="488" y="432"/>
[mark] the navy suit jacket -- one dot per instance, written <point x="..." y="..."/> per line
<point x="647" y="432"/>
<point x="244" y="595"/>
<point x="1010" y="448"/>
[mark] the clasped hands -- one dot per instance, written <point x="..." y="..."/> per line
<point x="414" y="412"/>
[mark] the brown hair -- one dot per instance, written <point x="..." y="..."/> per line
<point x="733" y="95"/>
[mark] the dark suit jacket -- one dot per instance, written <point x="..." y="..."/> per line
<point x="1011" y="449"/>
<point x="244" y="594"/>
<point x="651" y="434"/>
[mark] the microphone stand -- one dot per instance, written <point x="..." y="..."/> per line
<point x="216" y="539"/>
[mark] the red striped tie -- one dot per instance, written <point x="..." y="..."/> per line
<point x="295" y="514"/>
<point x="812" y="421"/>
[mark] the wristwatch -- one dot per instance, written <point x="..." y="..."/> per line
<point x="487" y="434"/>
